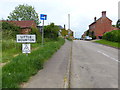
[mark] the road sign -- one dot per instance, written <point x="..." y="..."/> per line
<point x="26" y="38"/>
<point x="26" y="48"/>
<point x="43" y="16"/>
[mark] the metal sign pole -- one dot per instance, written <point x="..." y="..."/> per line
<point x="43" y="33"/>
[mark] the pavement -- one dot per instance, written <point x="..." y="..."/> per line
<point x="55" y="73"/>
<point x="79" y="64"/>
<point x="93" y="65"/>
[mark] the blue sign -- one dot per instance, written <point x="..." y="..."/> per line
<point x="43" y="17"/>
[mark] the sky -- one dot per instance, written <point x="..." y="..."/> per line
<point x="82" y="12"/>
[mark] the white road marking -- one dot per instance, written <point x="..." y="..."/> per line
<point x="108" y="56"/>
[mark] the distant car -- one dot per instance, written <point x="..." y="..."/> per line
<point x="81" y="38"/>
<point x="88" y="38"/>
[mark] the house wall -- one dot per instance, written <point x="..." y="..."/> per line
<point x="101" y="26"/>
<point x="25" y="31"/>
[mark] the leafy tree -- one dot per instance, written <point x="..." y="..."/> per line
<point x="87" y="33"/>
<point x="118" y="24"/>
<point x="64" y="32"/>
<point x="37" y="33"/>
<point x="114" y="25"/>
<point x="51" y="31"/>
<point x="93" y="35"/>
<point x="24" y="12"/>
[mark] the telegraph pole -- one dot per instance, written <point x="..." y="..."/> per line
<point x="68" y="25"/>
<point x="68" y="21"/>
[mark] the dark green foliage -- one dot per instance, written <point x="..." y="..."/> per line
<point x="24" y="12"/>
<point x="51" y="31"/>
<point x="93" y="35"/>
<point x="37" y="33"/>
<point x="112" y="36"/>
<point x="22" y="67"/>
<point x="114" y="25"/>
<point x="64" y="32"/>
<point x="87" y="33"/>
<point x="69" y="39"/>
<point x="9" y="30"/>
<point x="118" y="24"/>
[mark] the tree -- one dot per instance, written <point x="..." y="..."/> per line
<point x="93" y="35"/>
<point x="87" y="33"/>
<point x="118" y="23"/>
<point x="37" y="33"/>
<point x="24" y="12"/>
<point x="51" y="31"/>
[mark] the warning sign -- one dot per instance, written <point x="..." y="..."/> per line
<point x="26" y="48"/>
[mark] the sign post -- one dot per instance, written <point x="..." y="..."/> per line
<point x="26" y="48"/>
<point x="26" y="38"/>
<point x="43" y="17"/>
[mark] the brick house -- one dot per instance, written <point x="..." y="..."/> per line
<point x="102" y="25"/>
<point x="25" y="26"/>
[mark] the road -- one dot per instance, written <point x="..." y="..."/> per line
<point x="93" y="66"/>
<point x="79" y="64"/>
<point x="55" y="72"/>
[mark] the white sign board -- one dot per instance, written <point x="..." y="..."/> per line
<point x="26" y="48"/>
<point x="26" y="38"/>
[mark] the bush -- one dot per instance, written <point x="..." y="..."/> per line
<point x="93" y="37"/>
<point x="37" y="33"/>
<point x="112" y="36"/>
<point x="51" y="31"/>
<point x="9" y="30"/>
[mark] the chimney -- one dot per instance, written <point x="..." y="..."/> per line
<point x="95" y="19"/>
<point x="103" y="13"/>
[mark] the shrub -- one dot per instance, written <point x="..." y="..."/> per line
<point x="9" y="30"/>
<point x="112" y="36"/>
<point x="37" y="33"/>
<point x="51" y="31"/>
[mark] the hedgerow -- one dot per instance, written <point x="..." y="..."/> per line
<point x="112" y="36"/>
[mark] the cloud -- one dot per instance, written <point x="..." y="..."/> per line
<point x="82" y="12"/>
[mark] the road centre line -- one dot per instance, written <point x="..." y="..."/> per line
<point x="108" y="56"/>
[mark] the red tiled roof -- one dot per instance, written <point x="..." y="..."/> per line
<point x="23" y="24"/>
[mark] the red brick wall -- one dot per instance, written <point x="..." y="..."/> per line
<point x="101" y="26"/>
<point x="25" y="31"/>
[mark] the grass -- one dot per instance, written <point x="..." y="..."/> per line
<point x="109" y="43"/>
<point x="11" y="49"/>
<point x="22" y="67"/>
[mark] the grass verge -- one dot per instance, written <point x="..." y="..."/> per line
<point x="22" y="67"/>
<point x="11" y="49"/>
<point x="109" y="43"/>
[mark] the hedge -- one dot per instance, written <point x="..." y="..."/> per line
<point x="113" y="36"/>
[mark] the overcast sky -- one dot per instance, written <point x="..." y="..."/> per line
<point x="82" y="12"/>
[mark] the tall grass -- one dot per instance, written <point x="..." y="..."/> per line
<point x="22" y="67"/>
<point x="10" y="48"/>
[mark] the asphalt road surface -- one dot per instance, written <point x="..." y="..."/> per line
<point x="55" y="73"/>
<point x="79" y="64"/>
<point x="93" y="66"/>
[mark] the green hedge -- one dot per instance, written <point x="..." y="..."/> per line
<point x="22" y="67"/>
<point x="113" y="36"/>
